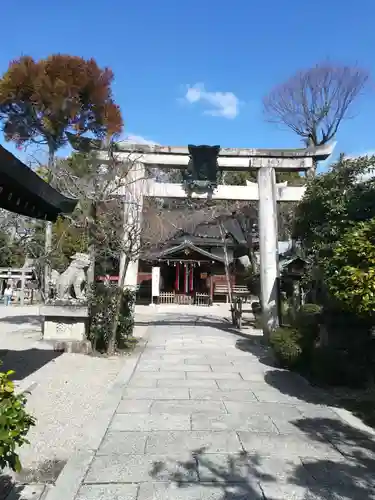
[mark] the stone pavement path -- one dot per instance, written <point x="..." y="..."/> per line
<point x="204" y="417"/>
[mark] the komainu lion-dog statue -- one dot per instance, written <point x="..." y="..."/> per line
<point x="73" y="279"/>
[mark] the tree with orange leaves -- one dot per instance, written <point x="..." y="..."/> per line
<point x="41" y="101"/>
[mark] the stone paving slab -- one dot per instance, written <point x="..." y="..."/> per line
<point x="213" y="376"/>
<point x="188" y="368"/>
<point x="286" y="446"/>
<point x="225" y="469"/>
<point x="190" y="384"/>
<point x="226" y="368"/>
<point x="122" y="443"/>
<point x="142" y="381"/>
<point x="146" y="367"/>
<point x="282" y="411"/>
<point x="212" y="442"/>
<point x="167" y="491"/>
<point x="135" y="406"/>
<point x="254" y="376"/>
<point x="276" y="397"/>
<point x="211" y="360"/>
<point x="108" y="491"/>
<point x="234" y="385"/>
<point x="156" y="393"/>
<point x="276" y="491"/>
<point x="212" y="395"/>
<point x="248" y="468"/>
<point x="189" y="407"/>
<point x="279" y="469"/>
<point x="300" y="425"/>
<point x="158" y="375"/>
<point x="186" y="355"/>
<point x="317" y="411"/>
<point x="146" y="422"/>
<point x="139" y="468"/>
<point x="253" y="423"/>
<point x="300" y="388"/>
<point x="158" y="364"/>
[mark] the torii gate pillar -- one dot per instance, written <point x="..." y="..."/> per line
<point x="268" y="249"/>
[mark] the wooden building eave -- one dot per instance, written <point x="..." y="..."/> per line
<point x="23" y="192"/>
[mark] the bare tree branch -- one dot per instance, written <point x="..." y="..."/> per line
<point x="314" y="102"/>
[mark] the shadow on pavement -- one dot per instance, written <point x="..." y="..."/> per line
<point x="253" y="344"/>
<point x="235" y="476"/>
<point x="6" y="484"/>
<point x="294" y="385"/>
<point x="247" y="476"/>
<point x="351" y="476"/>
<point x="20" y="320"/>
<point x="8" y="489"/>
<point x="218" y="324"/>
<point x="26" y="362"/>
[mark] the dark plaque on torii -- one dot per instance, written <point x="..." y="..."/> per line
<point x="201" y="175"/>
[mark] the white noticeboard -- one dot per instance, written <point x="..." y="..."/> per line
<point x="155" y="281"/>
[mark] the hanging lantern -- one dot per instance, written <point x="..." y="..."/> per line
<point x="201" y="175"/>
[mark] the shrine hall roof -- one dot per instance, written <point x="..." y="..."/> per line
<point x="210" y="233"/>
<point x="185" y="245"/>
<point x="204" y="236"/>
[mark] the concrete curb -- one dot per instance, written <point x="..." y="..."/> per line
<point x="353" y="421"/>
<point x="74" y="472"/>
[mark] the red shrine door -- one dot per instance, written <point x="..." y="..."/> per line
<point x="184" y="282"/>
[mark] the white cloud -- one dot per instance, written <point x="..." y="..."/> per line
<point x="137" y="139"/>
<point x="224" y="104"/>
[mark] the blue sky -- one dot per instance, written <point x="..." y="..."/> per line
<point x="238" y="49"/>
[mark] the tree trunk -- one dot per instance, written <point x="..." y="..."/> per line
<point x="91" y="244"/>
<point x="121" y="282"/>
<point x="48" y="230"/>
<point x="116" y="318"/>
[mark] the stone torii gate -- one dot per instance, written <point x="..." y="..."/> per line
<point x="266" y="161"/>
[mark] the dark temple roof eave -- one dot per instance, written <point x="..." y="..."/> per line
<point x="22" y="191"/>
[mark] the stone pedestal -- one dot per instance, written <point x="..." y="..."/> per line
<point x="66" y="327"/>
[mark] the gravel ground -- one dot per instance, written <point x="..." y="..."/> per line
<point x="66" y="391"/>
<point x="66" y="394"/>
